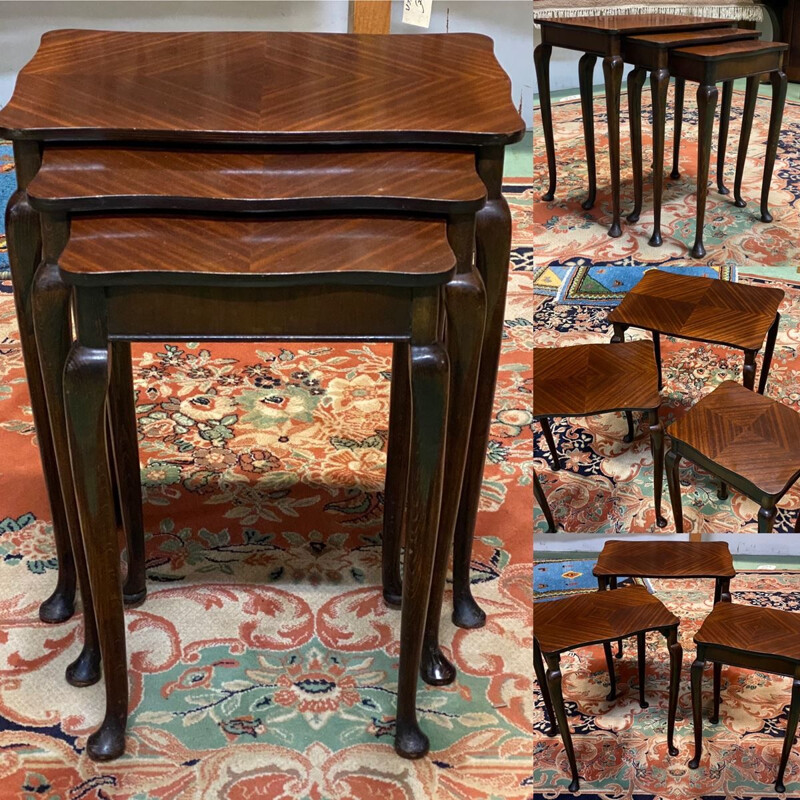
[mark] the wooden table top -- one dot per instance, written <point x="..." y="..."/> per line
<point x="750" y="435"/>
<point x="724" y="50"/>
<point x="263" y="87"/>
<point x="81" y="178"/>
<point x="626" y="24"/>
<point x="705" y="309"/>
<point x="667" y="40"/>
<point x="585" y="619"/>
<point x="664" y="559"/>
<point x="594" y="378"/>
<point x="752" y="629"/>
<point x="172" y="250"/>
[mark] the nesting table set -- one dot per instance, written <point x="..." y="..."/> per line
<point x="699" y="49"/>
<point x="747" y="440"/>
<point x="250" y="187"/>
<point x="748" y="637"/>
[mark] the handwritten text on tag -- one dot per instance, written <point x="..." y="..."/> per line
<point x="417" y="12"/>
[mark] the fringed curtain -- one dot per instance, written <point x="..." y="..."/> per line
<point x="726" y="9"/>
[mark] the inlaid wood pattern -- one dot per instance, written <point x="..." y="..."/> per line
<point x="690" y="38"/>
<point x="594" y="378"/>
<point x="106" y="250"/>
<point x="750" y="435"/>
<point x="706" y="309"/>
<point x="752" y="629"/>
<point x="636" y="23"/>
<point x="729" y="50"/>
<point x="665" y="559"/>
<point x="584" y="619"/>
<point x="81" y="178"/>
<point x="263" y="86"/>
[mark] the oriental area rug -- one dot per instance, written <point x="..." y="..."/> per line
<point x="568" y="236"/>
<point x="263" y="663"/>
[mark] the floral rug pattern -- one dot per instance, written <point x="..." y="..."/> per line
<point x="606" y="486"/>
<point x="566" y="235"/>
<point x="621" y="749"/>
<point x="263" y="663"/>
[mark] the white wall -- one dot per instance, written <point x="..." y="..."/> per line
<point x="508" y="22"/>
<point x="564" y="63"/>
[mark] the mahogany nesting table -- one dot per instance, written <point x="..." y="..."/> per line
<point x="710" y="310"/>
<point x="749" y="441"/>
<point x="652" y="52"/>
<point x="755" y="638"/>
<point x="598" y="618"/>
<point x="604" y="37"/>
<point x="588" y="379"/>
<point x="355" y="91"/>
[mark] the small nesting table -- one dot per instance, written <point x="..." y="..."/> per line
<point x="710" y="64"/>
<point x="598" y="618"/>
<point x="749" y="441"/>
<point x="749" y="637"/>
<point x="590" y="379"/>
<point x="737" y="315"/>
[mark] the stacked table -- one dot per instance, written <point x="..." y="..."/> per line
<point x="285" y="93"/>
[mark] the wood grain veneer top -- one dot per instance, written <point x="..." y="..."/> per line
<point x="263" y="87"/>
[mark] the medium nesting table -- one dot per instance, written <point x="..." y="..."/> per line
<point x="737" y="315"/>
<point x="599" y="36"/>
<point x="598" y="618"/>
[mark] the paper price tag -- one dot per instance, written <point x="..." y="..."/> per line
<point x="417" y="12"/>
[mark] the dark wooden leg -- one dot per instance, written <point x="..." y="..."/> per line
<point x="429" y="402"/>
<point x="613" y="586"/>
<point x="466" y="311"/>
<point x="612" y="678"/>
<point x="394" y="496"/>
<point x="657" y="350"/>
<point x="85" y="386"/>
<point x="675" y="661"/>
<point x="492" y="253"/>
<point x="657" y="446"/>
<point x="680" y="89"/>
<point x="697" y="709"/>
<point x="797" y="524"/>
<point x="791" y="730"/>
<point x="554" y="684"/>
<point x="725" y="590"/>
<point x="586" y="78"/>
<point x="717" y="667"/>
<point x="766" y="519"/>
<point x="772" y="337"/>
<point x="541" y="499"/>
<point x="706" y="108"/>
<point x="541" y="60"/>
<point x="541" y="679"/>
<point x="717" y="590"/>
<point x="724" y="125"/>
<point x="125" y="441"/>
<point x="23" y="236"/>
<point x="635" y="83"/>
<point x="744" y="138"/>
<point x="631" y="434"/>
<point x="551" y="443"/>
<point x="659" y="83"/>
<point x="749" y="371"/>
<point x="640" y="647"/>
<point x="778" y="80"/>
<point x="673" y="461"/>
<point x="50" y="306"/>
<point x="619" y="333"/>
<point x="612" y="70"/>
